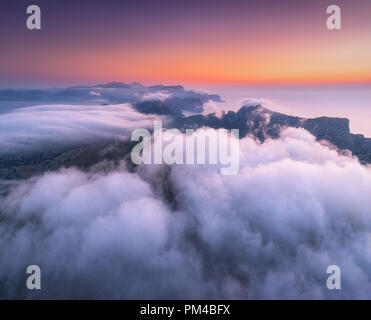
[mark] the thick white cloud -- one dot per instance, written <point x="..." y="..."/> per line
<point x="294" y="208"/>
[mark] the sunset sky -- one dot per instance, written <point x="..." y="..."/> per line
<point x="188" y="42"/>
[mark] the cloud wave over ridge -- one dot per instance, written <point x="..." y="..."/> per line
<point x="33" y="128"/>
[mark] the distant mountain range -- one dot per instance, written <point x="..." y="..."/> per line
<point x="108" y="93"/>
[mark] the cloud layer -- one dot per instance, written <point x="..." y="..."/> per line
<point x="32" y="128"/>
<point x="294" y="208"/>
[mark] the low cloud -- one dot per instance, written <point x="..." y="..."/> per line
<point x="94" y="93"/>
<point x="162" y="96"/>
<point x="33" y="128"/>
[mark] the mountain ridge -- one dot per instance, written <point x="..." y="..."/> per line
<point x="263" y="123"/>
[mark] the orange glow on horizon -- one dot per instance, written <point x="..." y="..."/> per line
<point x="244" y="43"/>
